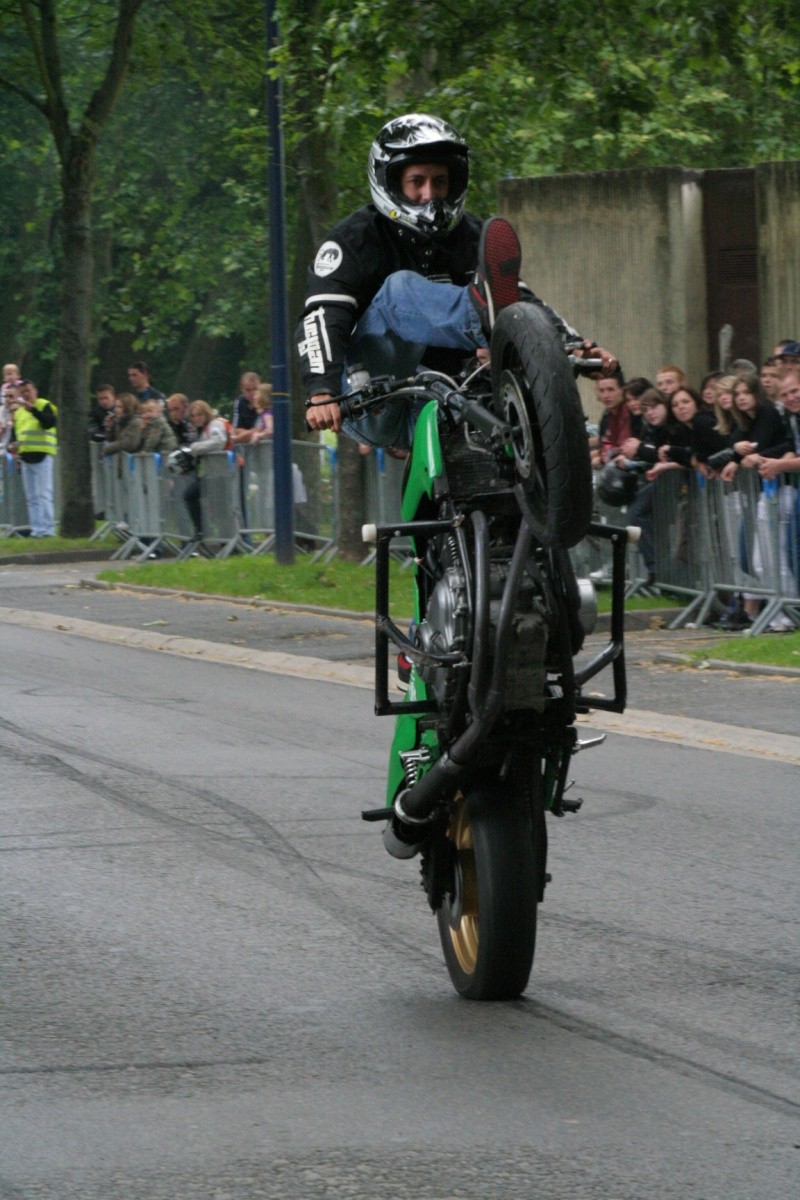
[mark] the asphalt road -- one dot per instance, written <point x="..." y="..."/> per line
<point x="217" y="984"/>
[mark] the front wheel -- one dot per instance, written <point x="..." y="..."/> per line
<point x="534" y="391"/>
<point x="487" y="923"/>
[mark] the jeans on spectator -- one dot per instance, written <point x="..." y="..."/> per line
<point x="640" y="512"/>
<point x="407" y="314"/>
<point x="37" y="482"/>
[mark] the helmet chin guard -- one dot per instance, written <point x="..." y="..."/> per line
<point x="418" y="138"/>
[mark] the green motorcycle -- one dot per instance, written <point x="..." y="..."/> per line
<point x="498" y="488"/>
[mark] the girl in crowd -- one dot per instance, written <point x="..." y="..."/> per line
<point x="760" y="430"/>
<point x="697" y="438"/>
<point x="157" y="437"/>
<point x="263" y="427"/>
<point x="126" y="434"/>
<point x="633" y="391"/>
<point x="212" y="436"/>
<point x="722" y="404"/>
<point x="760" y="434"/>
<point x="658" y="429"/>
<point x="708" y="387"/>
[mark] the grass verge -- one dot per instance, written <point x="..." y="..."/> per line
<point x="28" y="545"/>
<point x="336" y="584"/>
<point x="767" y="649"/>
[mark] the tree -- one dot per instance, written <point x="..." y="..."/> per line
<point x="75" y="140"/>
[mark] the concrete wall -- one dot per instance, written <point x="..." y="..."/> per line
<point x="620" y="255"/>
<point x="778" y="216"/>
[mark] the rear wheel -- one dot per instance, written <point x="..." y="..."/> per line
<point x="534" y="391"/>
<point x="487" y="923"/>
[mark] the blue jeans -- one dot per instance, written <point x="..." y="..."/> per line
<point x="407" y="314"/>
<point x="37" y="482"/>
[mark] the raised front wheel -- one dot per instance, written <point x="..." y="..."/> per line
<point x="487" y="923"/>
<point x="534" y="391"/>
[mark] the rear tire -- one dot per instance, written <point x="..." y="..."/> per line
<point x="534" y="390"/>
<point x="487" y="924"/>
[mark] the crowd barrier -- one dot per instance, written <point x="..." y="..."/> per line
<point x="712" y="540"/>
<point x="13" y="507"/>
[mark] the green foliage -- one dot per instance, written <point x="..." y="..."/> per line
<point x="180" y="208"/>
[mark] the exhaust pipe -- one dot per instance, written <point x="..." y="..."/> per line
<point x="415" y="806"/>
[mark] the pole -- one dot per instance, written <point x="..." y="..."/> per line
<point x="279" y="335"/>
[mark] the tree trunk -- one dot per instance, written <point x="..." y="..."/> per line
<point x="77" y="514"/>
<point x="352" y="500"/>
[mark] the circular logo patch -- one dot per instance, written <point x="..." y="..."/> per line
<point x="329" y="256"/>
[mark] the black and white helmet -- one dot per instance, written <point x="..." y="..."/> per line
<point x="418" y="138"/>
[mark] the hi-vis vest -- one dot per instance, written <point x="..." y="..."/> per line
<point x="31" y="436"/>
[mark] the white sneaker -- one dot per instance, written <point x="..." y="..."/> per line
<point x="781" y="624"/>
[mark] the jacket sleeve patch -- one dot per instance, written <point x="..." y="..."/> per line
<point x="316" y="347"/>
<point x="329" y="257"/>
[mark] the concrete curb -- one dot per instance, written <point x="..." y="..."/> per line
<point x="33" y="558"/>
<point x="636" y="620"/>
<point x="244" y="601"/>
<point x="726" y="664"/>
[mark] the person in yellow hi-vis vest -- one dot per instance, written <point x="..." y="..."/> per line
<point x="36" y="443"/>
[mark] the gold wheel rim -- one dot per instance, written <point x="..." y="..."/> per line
<point x="464" y="934"/>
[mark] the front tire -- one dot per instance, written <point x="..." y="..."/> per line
<point x="487" y="923"/>
<point x="534" y="391"/>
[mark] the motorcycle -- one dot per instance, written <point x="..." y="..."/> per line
<point x="497" y="489"/>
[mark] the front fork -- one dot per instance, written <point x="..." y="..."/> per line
<point x="415" y="747"/>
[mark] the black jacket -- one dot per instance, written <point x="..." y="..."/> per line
<point x="350" y="267"/>
<point x="769" y="430"/>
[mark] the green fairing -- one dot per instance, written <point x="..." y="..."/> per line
<point x="426" y="466"/>
<point x="426" y="462"/>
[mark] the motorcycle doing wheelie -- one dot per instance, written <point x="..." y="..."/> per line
<point x="497" y="489"/>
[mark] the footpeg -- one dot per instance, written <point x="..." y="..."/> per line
<point x="589" y="743"/>
<point x="571" y="806"/>
<point x="376" y="814"/>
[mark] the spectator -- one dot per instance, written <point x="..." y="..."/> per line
<point x="787" y="351"/>
<point x="211" y="436"/>
<point x="770" y="375"/>
<point x="8" y="406"/>
<point x="142" y="388"/>
<point x="102" y="415"/>
<point x="697" y="428"/>
<point x="10" y="379"/>
<point x="789" y="395"/>
<point x="616" y="423"/>
<point x="177" y="415"/>
<point x="126" y="433"/>
<point x="760" y="431"/>
<point x="658" y="429"/>
<point x="722" y="406"/>
<point x="157" y="435"/>
<point x="244" y="414"/>
<point x="10" y="374"/>
<point x="633" y="391"/>
<point x="263" y="427"/>
<point x="760" y="435"/>
<point x="707" y="387"/>
<point x="774" y="468"/>
<point x="34" y="434"/>
<point x="669" y="379"/>
<point x="743" y="366"/>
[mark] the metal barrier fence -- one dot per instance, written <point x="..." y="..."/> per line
<point x="714" y="540"/>
<point x="711" y="540"/>
<point x="13" y="505"/>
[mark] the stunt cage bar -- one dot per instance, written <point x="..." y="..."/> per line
<point x="387" y="633"/>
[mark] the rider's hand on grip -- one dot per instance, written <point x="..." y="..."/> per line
<point x="323" y="413"/>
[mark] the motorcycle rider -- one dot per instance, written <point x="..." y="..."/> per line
<point x="409" y="279"/>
